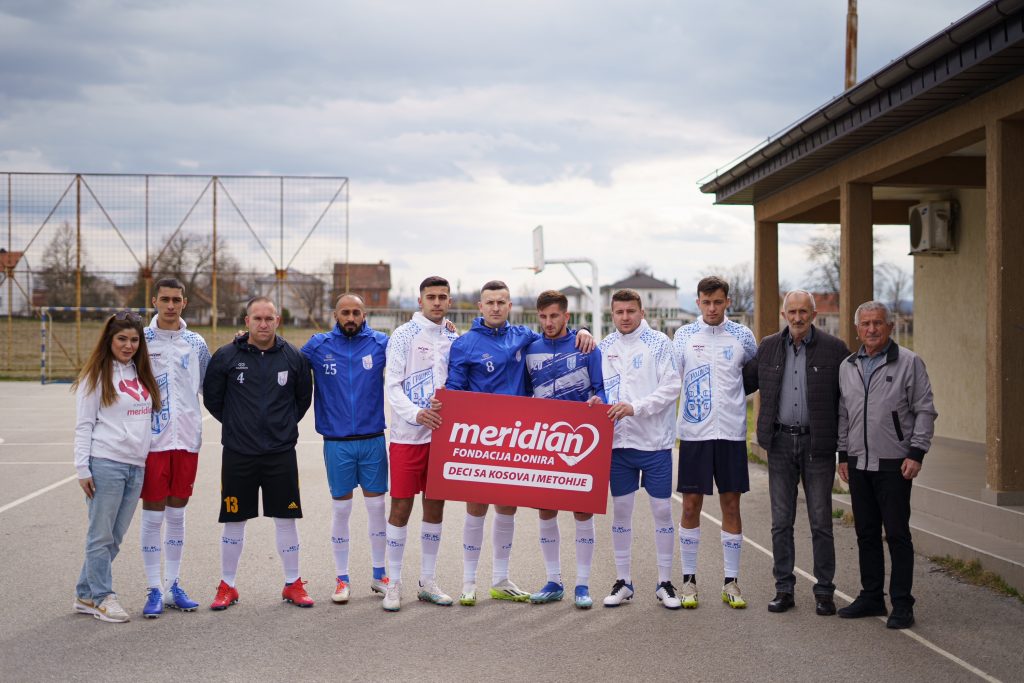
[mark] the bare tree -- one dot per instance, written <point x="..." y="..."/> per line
<point x="823" y="253"/>
<point x="894" y="285"/>
<point x="741" y="284"/>
<point x="189" y="257"/>
<point x="59" y="269"/>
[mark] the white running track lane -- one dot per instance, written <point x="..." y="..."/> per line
<point x="907" y="632"/>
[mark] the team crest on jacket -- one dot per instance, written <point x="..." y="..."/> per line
<point x="162" y="416"/>
<point x="727" y="352"/>
<point x="570" y="363"/>
<point x="638" y="361"/>
<point x="697" y="387"/>
<point x="367" y="362"/>
<point x="282" y="377"/>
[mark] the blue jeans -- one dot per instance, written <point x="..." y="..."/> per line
<point x="789" y="461"/>
<point x="110" y="512"/>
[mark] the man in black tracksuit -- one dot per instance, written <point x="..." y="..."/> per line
<point x="259" y="386"/>
<point x="797" y="372"/>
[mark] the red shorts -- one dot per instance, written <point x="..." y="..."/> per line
<point x="169" y="473"/>
<point x="408" y="469"/>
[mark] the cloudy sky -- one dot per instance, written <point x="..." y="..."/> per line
<point x="462" y="125"/>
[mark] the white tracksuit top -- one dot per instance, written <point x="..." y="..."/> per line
<point x="118" y="432"/>
<point x="710" y="358"/>
<point x="179" y="359"/>
<point x="639" y="369"/>
<point x="417" y="365"/>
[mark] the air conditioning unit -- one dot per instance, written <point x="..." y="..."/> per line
<point x="931" y="227"/>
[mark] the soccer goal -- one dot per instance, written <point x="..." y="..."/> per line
<point x="67" y="335"/>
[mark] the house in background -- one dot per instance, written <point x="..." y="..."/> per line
<point x="933" y="141"/>
<point x="372" y="281"/>
<point x="656" y="294"/>
<point x="15" y="284"/>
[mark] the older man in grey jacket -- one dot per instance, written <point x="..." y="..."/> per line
<point x="886" y="421"/>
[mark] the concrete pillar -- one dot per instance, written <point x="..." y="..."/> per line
<point x="766" y="279"/>
<point x="1004" y="370"/>
<point x="856" y="260"/>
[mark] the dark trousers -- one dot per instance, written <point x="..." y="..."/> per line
<point x="882" y="500"/>
<point x="789" y="461"/>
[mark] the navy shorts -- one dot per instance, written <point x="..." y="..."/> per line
<point x="718" y="459"/>
<point x="358" y="462"/>
<point x="631" y="467"/>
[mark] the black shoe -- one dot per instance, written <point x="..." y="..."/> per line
<point x="863" y="607"/>
<point x="824" y="605"/>
<point x="781" y="602"/>
<point x="901" y="617"/>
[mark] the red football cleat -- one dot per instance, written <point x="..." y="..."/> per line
<point x="226" y="596"/>
<point x="295" y="593"/>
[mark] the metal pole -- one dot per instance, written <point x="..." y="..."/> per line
<point x="851" y="45"/>
<point x="78" y="270"/>
<point x="597" y="318"/>
<point x="213" y="281"/>
<point x="42" y="346"/>
<point x="280" y="282"/>
<point x="10" y="283"/>
<point x="149" y="266"/>
<point x="346" y="234"/>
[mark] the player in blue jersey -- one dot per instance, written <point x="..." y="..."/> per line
<point x="491" y="359"/>
<point x="348" y="372"/>
<point x="557" y="369"/>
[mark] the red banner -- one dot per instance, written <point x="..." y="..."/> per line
<point x="530" y="452"/>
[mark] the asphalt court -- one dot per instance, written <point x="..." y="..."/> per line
<point x="264" y="639"/>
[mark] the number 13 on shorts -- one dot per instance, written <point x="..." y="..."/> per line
<point x="231" y="504"/>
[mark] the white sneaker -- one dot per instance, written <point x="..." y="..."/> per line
<point x="688" y="595"/>
<point x="621" y="592"/>
<point x="84" y="606"/>
<point x="379" y="586"/>
<point x="667" y="594"/>
<point x="110" y="610"/>
<point x="506" y="590"/>
<point x="393" y="597"/>
<point x="731" y="595"/>
<point x="468" y="596"/>
<point x="432" y="593"/>
<point x="341" y="592"/>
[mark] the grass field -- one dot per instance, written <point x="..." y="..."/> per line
<point x="20" y="347"/>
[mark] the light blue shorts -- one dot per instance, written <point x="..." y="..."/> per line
<point x="362" y="462"/>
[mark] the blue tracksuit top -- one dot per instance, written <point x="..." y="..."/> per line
<point x="557" y="369"/>
<point x="490" y="361"/>
<point x="348" y="375"/>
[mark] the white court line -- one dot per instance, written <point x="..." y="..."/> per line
<point x="40" y="443"/>
<point x="45" y="489"/>
<point x="37" y="462"/>
<point x="907" y="632"/>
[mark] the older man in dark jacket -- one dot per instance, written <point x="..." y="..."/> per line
<point x="797" y="372"/>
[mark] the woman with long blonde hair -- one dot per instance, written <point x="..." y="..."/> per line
<point x="116" y="394"/>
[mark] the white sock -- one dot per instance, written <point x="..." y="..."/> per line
<point x="584" y="550"/>
<point x="396" y="550"/>
<point x="689" y="543"/>
<point x="287" y="536"/>
<point x="622" y="535"/>
<point x="430" y="542"/>
<point x="503" y="532"/>
<point x="152" y="524"/>
<point x="664" y="536"/>
<point x="472" y="542"/>
<point x="732" y="544"/>
<point x="174" y="544"/>
<point x="378" y="534"/>
<point x="232" y="541"/>
<point x="550" y="540"/>
<point x="340" y="535"/>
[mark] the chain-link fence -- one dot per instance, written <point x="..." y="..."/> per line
<point x="101" y="240"/>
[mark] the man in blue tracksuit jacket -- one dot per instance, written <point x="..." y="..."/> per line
<point x="348" y="371"/>
<point x="491" y="359"/>
<point x="556" y="369"/>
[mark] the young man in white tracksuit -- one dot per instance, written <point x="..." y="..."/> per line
<point x="641" y="384"/>
<point x="710" y="353"/>
<point x="179" y="358"/>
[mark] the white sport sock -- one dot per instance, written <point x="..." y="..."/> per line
<point x="430" y="542"/>
<point x="550" y="542"/>
<point x="378" y="534"/>
<point x="287" y="536"/>
<point x="472" y="542"/>
<point x="396" y="551"/>
<point x="232" y="541"/>
<point x="732" y="544"/>
<point x="174" y="544"/>
<point x="664" y="536"/>
<point x="340" y="535"/>
<point x="152" y="524"/>
<point x="622" y="535"/>
<point x="689" y="543"/>
<point x="584" y="550"/>
<point x="503" y="532"/>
